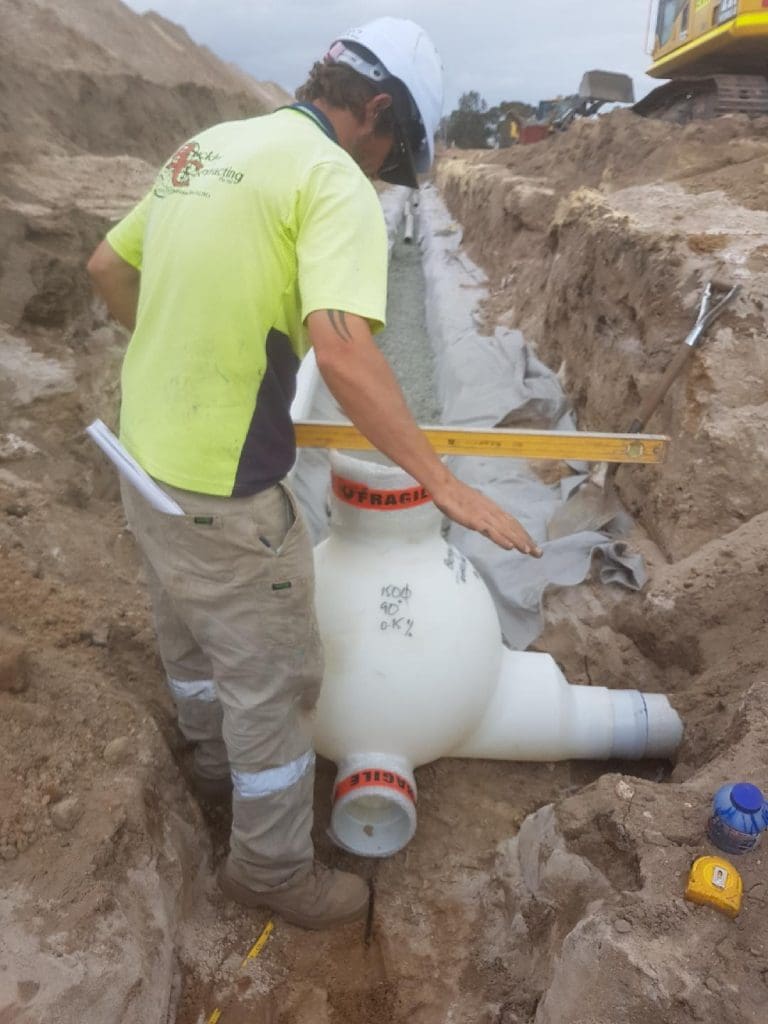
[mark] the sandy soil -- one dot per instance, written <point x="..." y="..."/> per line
<point x="532" y="894"/>
<point x="598" y="244"/>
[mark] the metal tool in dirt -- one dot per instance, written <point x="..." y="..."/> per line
<point x="593" y="506"/>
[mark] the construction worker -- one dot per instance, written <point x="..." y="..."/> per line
<point x="258" y="239"/>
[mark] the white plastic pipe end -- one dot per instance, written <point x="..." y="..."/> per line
<point x="665" y="727"/>
<point x="408" y="232"/>
<point x="374" y="807"/>
<point x="644" y="725"/>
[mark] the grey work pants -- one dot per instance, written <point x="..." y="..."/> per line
<point x="232" y="588"/>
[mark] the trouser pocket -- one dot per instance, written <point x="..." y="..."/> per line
<point x="276" y="518"/>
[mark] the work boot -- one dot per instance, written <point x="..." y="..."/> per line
<point x="321" y="899"/>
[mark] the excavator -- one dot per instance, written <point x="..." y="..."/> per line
<point x="715" y="55"/>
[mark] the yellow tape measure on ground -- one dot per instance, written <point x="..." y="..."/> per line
<point x="252" y="953"/>
<point x="642" y="449"/>
<point x="259" y="944"/>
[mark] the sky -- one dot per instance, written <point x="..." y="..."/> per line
<point x="504" y="49"/>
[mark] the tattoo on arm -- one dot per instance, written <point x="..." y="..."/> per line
<point x="338" y="321"/>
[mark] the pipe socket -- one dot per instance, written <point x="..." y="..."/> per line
<point x="374" y="805"/>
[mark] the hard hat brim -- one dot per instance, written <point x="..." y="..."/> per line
<point x="403" y="170"/>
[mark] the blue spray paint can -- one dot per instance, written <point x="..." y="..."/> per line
<point x="739" y="816"/>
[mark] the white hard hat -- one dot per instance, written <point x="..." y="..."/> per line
<point x="403" y="51"/>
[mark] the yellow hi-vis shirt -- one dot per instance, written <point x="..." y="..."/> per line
<point x="249" y="227"/>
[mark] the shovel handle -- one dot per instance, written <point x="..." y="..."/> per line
<point x="656" y="396"/>
<point x="705" y="320"/>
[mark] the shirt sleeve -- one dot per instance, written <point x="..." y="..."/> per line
<point x="342" y="244"/>
<point x="127" y="236"/>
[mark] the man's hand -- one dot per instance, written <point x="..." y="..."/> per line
<point x="360" y="379"/>
<point x="469" y="508"/>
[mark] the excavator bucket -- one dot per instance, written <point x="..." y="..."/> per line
<point x="607" y="87"/>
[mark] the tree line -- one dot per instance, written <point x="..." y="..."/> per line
<point x="475" y="125"/>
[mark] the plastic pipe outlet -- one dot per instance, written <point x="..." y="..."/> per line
<point x="408" y="228"/>
<point x="416" y="669"/>
<point x="535" y="715"/>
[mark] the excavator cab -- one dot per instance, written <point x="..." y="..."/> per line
<point x="709" y="37"/>
<point x="715" y="53"/>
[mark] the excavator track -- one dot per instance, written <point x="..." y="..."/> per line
<point x="743" y="94"/>
<point x="689" y="99"/>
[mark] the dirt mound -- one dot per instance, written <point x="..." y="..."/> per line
<point x="106" y="36"/>
<point x="93" y="76"/>
<point x="93" y="97"/>
<point x="622" y="149"/>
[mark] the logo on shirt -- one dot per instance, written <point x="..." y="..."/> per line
<point x="188" y="165"/>
<point x="185" y="164"/>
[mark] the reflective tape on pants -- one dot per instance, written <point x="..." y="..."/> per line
<point x="192" y="689"/>
<point x="251" y="785"/>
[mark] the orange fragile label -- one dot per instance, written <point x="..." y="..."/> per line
<point x="374" y="778"/>
<point x="361" y="496"/>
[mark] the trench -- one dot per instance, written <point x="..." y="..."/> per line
<point x="405" y="340"/>
<point x="457" y="934"/>
<point x="447" y="874"/>
<point x="531" y="893"/>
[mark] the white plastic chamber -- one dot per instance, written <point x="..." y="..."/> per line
<point x="416" y="669"/>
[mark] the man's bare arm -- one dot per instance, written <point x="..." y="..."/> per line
<point x="117" y="282"/>
<point x="361" y="380"/>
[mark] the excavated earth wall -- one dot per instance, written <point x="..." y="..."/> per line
<point x="597" y="244"/>
<point x="598" y="248"/>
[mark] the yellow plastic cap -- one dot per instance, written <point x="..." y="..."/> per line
<point x="715" y="882"/>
